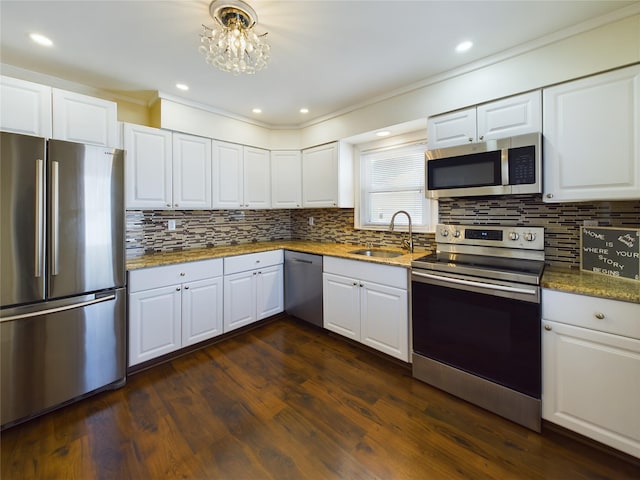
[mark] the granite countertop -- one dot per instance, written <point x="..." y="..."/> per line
<point x="593" y="284"/>
<point x="555" y="278"/>
<point x="332" y="249"/>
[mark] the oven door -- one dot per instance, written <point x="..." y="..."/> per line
<point x="487" y="328"/>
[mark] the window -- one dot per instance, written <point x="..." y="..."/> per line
<point x="392" y="179"/>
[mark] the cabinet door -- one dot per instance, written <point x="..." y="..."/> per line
<point x="384" y="319"/>
<point x="341" y="305"/>
<point x="83" y="119"/>
<point x="257" y="178"/>
<point x="239" y="300"/>
<point x="154" y="323"/>
<point x="227" y="175"/>
<point x="511" y="116"/>
<point x="592" y="138"/>
<point x="269" y="291"/>
<point x="450" y="129"/>
<point x="25" y="107"/>
<point x="191" y="172"/>
<point x="201" y="310"/>
<point x="147" y="167"/>
<point x="320" y="176"/>
<point x="591" y="384"/>
<point x="286" y="179"/>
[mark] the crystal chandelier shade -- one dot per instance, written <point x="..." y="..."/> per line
<point x="232" y="44"/>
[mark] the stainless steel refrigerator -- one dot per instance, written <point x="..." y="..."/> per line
<point x="62" y="295"/>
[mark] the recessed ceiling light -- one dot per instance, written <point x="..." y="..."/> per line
<point x="304" y="110"/>
<point x="41" y="40"/>
<point x="383" y="133"/>
<point x="182" y="86"/>
<point x="257" y="110"/>
<point x="464" y="46"/>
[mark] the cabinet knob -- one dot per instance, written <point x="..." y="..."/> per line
<point x="549" y="195"/>
<point x="547" y="328"/>
<point x="168" y="204"/>
<point x="362" y="285"/>
<point x="175" y="204"/>
<point x="470" y="139"/>
<point x="481" y="137"/>
<point x="186" y="287"/>
<point x="182" y="274"/>
<point x="599" y="315"/>
<point x="177" y="289"/>
<point x="355" y="283"/>
<point x="255" y="273"/>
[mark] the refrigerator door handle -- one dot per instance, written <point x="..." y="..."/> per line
<point x="39" y="252"/>
<point x="55" y="217"/>
<point x="63" y="308"/>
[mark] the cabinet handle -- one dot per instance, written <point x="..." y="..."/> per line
<point x="177" y="289"/>
<point x="549" y="195"/>
<point x="599" y="315"/>
<point x="547" y="328"/>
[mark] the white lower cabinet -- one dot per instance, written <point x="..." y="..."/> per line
<point x="367" y="303"/>
<point x="591" y="368"/>
<point x="173" y="306"/>
<point x="253" y="288"/>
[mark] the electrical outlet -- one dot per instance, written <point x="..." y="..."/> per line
<point x="171" y="225"/>
<point x="590" y="223"/>
<point x="311" y="221"/>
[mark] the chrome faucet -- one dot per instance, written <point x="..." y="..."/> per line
<point x="408" y="244"/>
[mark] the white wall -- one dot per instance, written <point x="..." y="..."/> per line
<point x="610" y="46"/>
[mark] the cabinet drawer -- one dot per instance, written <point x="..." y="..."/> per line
<point x="250" y="261"/>
<point x="156" y="277"/>
<point x="619" y="318"/>
<point x="367" y="271"/>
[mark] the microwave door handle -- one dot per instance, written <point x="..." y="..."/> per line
<point x="504" y="164"/>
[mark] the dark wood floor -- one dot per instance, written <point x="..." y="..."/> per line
<point x="287" y="401"/>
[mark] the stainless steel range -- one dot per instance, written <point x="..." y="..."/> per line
<point x="476" y="318"/>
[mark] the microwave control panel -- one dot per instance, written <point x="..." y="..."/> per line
<point x="522" y="165"/>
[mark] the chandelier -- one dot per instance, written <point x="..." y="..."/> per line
<point x="232" y="45"/>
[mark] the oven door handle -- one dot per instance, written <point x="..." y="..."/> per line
<point x="490" y="286"/>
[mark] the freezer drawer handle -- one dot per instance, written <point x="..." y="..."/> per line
<point x="39" y="217"/>
<point x="106" y="298"/>
<point x="55" y="217"/>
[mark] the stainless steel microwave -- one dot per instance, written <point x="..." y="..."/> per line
<point x="496" y="167"/>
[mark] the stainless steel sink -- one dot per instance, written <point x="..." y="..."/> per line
<point x="368" y="252"/>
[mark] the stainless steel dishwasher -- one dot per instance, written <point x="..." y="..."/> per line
<point x="303" y="286"/>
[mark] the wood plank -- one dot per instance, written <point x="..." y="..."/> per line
<point x="288" y="400"/>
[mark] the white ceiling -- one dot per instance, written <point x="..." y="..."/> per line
<point x="326" y="55"/>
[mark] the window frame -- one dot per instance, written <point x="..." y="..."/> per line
<point x="430" y="206"/>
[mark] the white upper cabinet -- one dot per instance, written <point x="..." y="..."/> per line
<point x="450" y="129"/>
<point x="83" y="119"/>
<point x="241" y="176"/>
<point x="508" y="117"/>
<point x="592" y="138"/>
<point x="286" y="179"/>
<point x="257" y="178"/>
<point x="25" y="107"/>
<point x="191" y="172"/>
<point x="166" y="170"/>
<point x="147" y="167"/>
<point x="327" y="176"/>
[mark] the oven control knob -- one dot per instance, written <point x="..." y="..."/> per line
<point x="529" y="237"/>
<point x="456" y="233"/>
<point x="444" y="233"/>
<point x="514" y="236"/>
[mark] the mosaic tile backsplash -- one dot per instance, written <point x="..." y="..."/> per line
<point x="147" y="230"/>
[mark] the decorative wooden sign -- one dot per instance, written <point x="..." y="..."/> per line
<point x="611" y="251"/>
